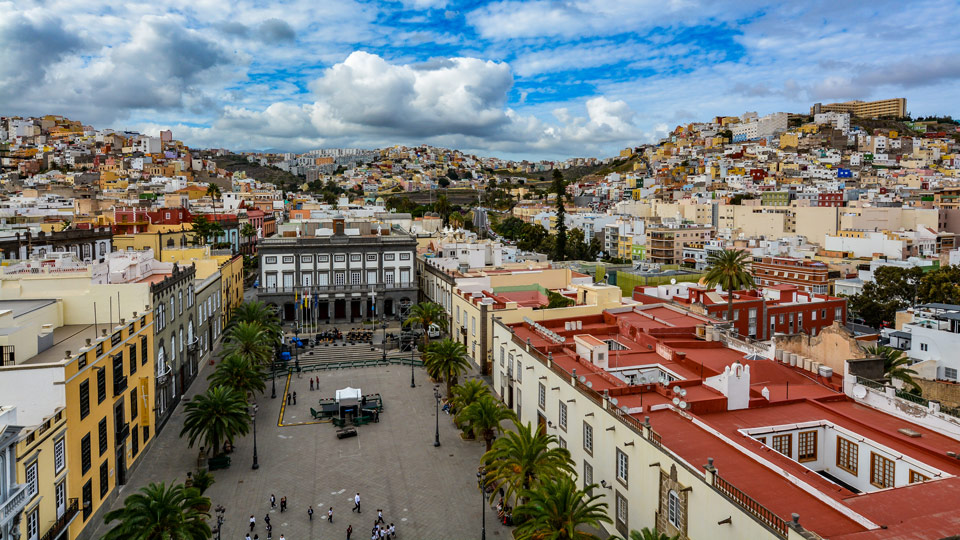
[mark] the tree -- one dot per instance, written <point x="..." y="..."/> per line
<point x="485" y="416"/>
<point x="161" y="512"/>
<point x="522" y="458"/>
<point x="941" y="285"/>
<point x="442" y="207"/>
<point x="258" y="313"/>
<point x="213" y="191"/>
<point x="728" y="268"/>
<point x="456" y="220"/>
<point x="556" y="510"/>
<point x="201" y="228"/>
<point x="446" y="359"/>
<point x="651" y="534"/>
<point x="239" y="374"/>
<point x="561" y="243"/>
<point x="248" y="341"/>
<point x="895" y="364"/>
<point x="891" y="290"/>
<point x="215" y="417"/>
<point x="425" y="314"/>
<point x="466" y="393"/>
<point x="443" y="182"/>
<point x="248" y="232"/>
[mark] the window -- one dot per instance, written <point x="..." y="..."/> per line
<point x="133" y="404"/>
<point x="923" y="346"/>
<point x="58" y="456"/>
<point x="588" y="438"/>
<point x="674" y="514"/>
<point x="87" y="500"/>
<point x="622" y="514"/>
<point x="132" y="352"/>
<point x="587" y="475"/>
<point x="33" y="524"/>
<point x="85" y="458"/>
<point x="389" y="256"/>
<point x="288" y="259"/>
<point x="323" y="258"/>
<point x="143" y="350"/>
<point x="783" y="444"/>
<point x="917" y="477"/>
<point x="134" y="442"/>
<point x="371" y="257"/>
<point x="180" y="300"/>
<point x="102" y="431"/>
<point x="270" y="260"/>
<point x="519" y="371"/>
<point x="503" y="353"/>
<point x="355" y="257"/>
<point x="339" y="278"/>
<point x="950" y="373"/>
<point x="837" y="313"/>
<point x="622" y="466"/>
<point x="563" y="415"/>
<point x="355" y="278"/>
<point x="101" y="385"/>
<point x="60" y="493"/>
<point x="542" y="396"/>
<point x="881" y="471"/>
<point x="847" y="455"/>
<point x="104" y="478"/>
<point x="339" y="258"/>
<point x="306" y="259"/>
<point x="84" y="399"/>
<point x="806" y="446"/>
<point x="762" y="440"/>
<point x="405" y="256"/>
<point x="32" y="484"/>
<point x="323" y="279"/>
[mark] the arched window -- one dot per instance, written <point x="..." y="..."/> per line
<point x="190" y="331"/>
<point x="180" y="299"/>
<point x="170" y="243"/>
<point x="173" y="347"/>
<point x="161" y="360"/>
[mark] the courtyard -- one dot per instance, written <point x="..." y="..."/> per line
<point x="427" y="492"/>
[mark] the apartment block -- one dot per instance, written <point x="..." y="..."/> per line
<point x="894" y="108"/>
<point x="807" y="275"/>
<point x="665" y="244"/>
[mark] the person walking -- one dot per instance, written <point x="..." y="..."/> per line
<point x="380" y="516"/>
<point x="393" y="531"/>
<point x="294" y="398"/>
<point x="273" y="501"/>
<point x="356" y="503"/>
<point x="266" y="519"/>
<point x="281" y="537"/>
<point x="311" y="384"/>
<point x="310" y="512"/>
<point x="253" y="522"/>
<point x="269" y="531"/>
<point x="283" y="504"/>
<point x="248" y="536"/>
<point x="330" y="515"/>
<point x="349" y="531"/>
<point x="289" y="398"/>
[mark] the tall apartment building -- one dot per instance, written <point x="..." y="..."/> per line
<point x="350" y="272"/>
<point x="665" y="244"/>
<point x="807" y="275"/>
<point x="896" y="108"/>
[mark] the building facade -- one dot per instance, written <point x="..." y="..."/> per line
<point x="42" y="467"/>
<point x="14" y="496"/>
<point x="343" y="271"/>
<point x="807" y="275"/>
<point x="174" y="308"/>
<point x="665" y="244"/>
<point x="209" y="311"/>
<point x="87" y="244"/>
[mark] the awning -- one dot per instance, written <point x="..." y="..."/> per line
<point x="348" y="393"/>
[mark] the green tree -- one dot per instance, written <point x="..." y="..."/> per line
<point x="201" y="228"/>
<point x="248" y="232"/>
<point x="215" y="417"/>
<point x="896" y="364"/>
<point x="561" y="242"/>
<point x="425" y="314"/>
<point x="248" y="341"/>
<point x="456" y="220"/>
<point x="485" y="416"/>
<point x="891" y="290"/>
<point x="651" y="534"/>
<point x="557" y="510"/>
<point x="941" y="285"/>
<point x="728" y="268"/>
<point x="239" y="374"/>
<point x="161" y="512"/>
<point x="446" y="359"/>
<point x="442" y="207"/>
<point x="524" y="457"/>
<point x="213" y="191"/>
<point x="466" y="393"/>
<point x="258" y="313"/>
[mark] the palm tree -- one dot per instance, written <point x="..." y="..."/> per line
<point x="249" y="341"/>
<point x="215" y="417"/>
<point x="484" y="417"/>
<point x="456" y="220"/>
<point x="466" y="393"/>
<point x="446" y="359"/>
<point x="239" y="374"/>
<point x="213" y="191"/>
<point x="556" y="509"/>
<point x="160" y="512"/>
<point x="651" y="534"/>
<point x="248" y="232"/>
<point x="728" y="268"/>
<point x="522" y="458"/>
<point x="895" y="364"/>
<point x="260" y="313"/>
<point x="425" y="314"/>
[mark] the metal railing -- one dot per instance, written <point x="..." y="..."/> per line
<point x="313" y="289"/>
<point x="63" y="521"/>
<point x="748" y="503"/>
<point x="870" y="383"/>
<point x="903" y="394"/>
<point x="16" y="500"/>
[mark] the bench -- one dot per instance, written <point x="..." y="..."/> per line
<point x="218" y="462"/>
<point x="343" y="433"/>
<point x="362" y="420"/>
<point x="339" y="422"/>
<point x="315" y="414"/>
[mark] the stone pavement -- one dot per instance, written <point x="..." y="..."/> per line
<point x="427" y="492"/>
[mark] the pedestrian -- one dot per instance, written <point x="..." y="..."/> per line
<point x="349" y="531"/>
<point x="281" y="537"/>
<point x="356" y="503"/>
<point x="393" y="531"/>
<point x="256" y="537"/>
<point x="266" y="519"/>
<point x="273" y="501"/>
<point x="248" y="536"/>
<point x="311" y="384"/>
<point x="283" y="504"/>
<point x="380" y="516"/>
<point x="289" y="398"/>
<point x="269" y="532"/>
<point x="310" y="512"/>
<point x="253" y="522"/>
<point x="330" y="516"/>
<point x="318" y="383"/>
<point x="294" y="398"/>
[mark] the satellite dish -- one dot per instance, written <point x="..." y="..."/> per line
<point x="676" y="401"/>
<point x="683" y="405"/>
<point x="614" y="401"/>
<point x="859" y="391"/>
<point x="583" y="378"/>
<point x="589" y="384"/>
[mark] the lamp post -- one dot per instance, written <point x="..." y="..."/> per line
<point x="483" y="504"/>
<point x="436" y="395"/>
<point x="413" y="349"/>
<point x="384" y="321"/>
<point x="273" y="380"/>
<point x="220" y="510"/>
<point x="253" y="415"/>
<point x="296" y="347"/>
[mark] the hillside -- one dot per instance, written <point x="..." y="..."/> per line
<point x="278" y="177"/>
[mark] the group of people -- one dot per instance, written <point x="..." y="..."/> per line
<point x="380" y="531"/>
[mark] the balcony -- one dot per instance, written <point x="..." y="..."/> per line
<point x="321" y="289"/>
<point x="122" y="433"/>
<point x="63" y="522"/>
<point x="15" y="503"/>
<point x="119" y="385"/>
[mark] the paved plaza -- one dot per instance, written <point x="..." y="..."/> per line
<point x="427" y="492"/>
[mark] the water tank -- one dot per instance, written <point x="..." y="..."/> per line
<point x="793" y="359"/>
<point x="825" y="371"/>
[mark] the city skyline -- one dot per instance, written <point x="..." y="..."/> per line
<point x="532" y="80"/>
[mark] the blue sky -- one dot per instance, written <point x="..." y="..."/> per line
<point x="521" y="79"/>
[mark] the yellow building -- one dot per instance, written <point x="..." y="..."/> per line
<point x="896" y="108"/>
<point x="95" y="415"/>
<point x="231" y="286"/>
<point x="162" y="238"/>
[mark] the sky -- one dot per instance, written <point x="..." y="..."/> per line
<point x="531" y="79"/>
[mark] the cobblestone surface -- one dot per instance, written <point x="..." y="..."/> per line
<point x="427" y="492"/>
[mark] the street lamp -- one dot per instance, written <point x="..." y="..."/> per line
<point x="413" y="349"/>
<point x="273" y="380"/>
<point x="384" y="338"/>
<point x="436" y="395"/>
<point x="483" y="503"/>
<point x="296" y="347"/>
<point x="253" y="415"/>
<point x="220" y="510"/>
